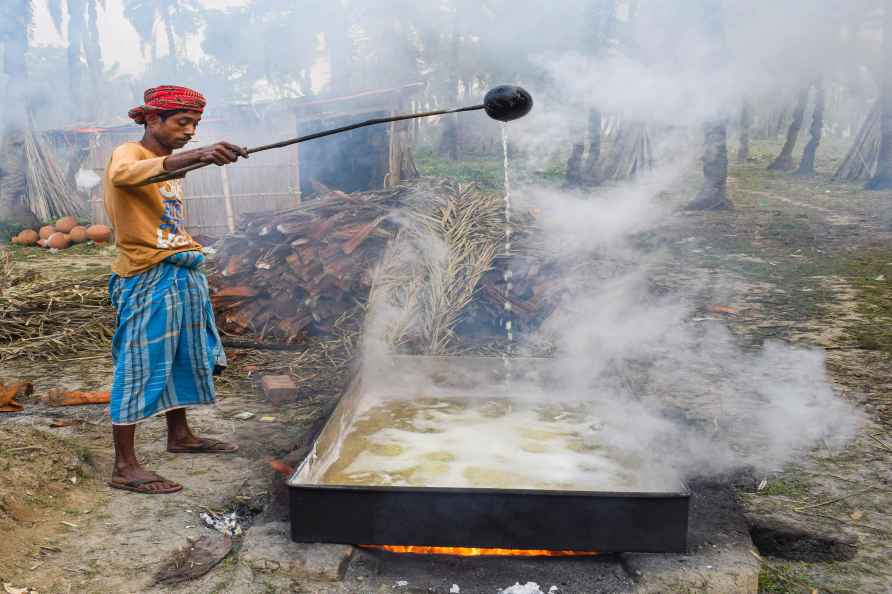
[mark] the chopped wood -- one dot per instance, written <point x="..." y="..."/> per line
<point x="58" y="397"/>
<point x="9" y="394"/>
<point x="290" y="274"/>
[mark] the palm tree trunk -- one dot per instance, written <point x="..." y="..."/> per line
<point x="591" y="173"/>
<point x="807" y="164"/>
<point x="746" y="122"/>
<point x="450" y="142"/>
<point x="882" y="179"/>
<point x="784" y="161"/>
<point x="600" y="17"/>
<point x="13" y="183"/>
<point x="714" y="194"/>
<point x="93" y="53"/>
<point x="573" y="177"/>
<point x="172" y="51"/>
<point x="76" y="18"/>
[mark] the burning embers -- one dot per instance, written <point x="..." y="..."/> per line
<point x="478" y="552"/>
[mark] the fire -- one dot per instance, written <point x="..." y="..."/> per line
<point x="479" y="552"/>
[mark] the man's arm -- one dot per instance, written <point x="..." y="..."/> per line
<point x="127" y="170"/>
<point x="221" y="153"/>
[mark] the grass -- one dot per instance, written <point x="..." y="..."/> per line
<point x="788" y="486"/>
<point x="487" y="171"/>
<point x="26" y="253"/>
<point x="782" y="579"/>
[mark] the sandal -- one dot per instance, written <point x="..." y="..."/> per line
<point x="139" y="486"/>
<point x="206" y="446"/>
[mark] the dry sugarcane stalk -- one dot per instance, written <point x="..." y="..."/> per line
<point x="55" y="319"/>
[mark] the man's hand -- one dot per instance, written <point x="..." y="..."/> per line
<point x="221" y="153"/>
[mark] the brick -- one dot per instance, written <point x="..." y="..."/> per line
<point x="268" y="549"/>
<point x="278" y="389"/>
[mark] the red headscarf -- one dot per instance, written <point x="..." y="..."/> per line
<point x="167" y="97"/>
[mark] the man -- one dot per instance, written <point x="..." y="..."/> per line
<point x="166" y="348"/>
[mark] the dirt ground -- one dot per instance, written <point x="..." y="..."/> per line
<point x="800" y="260"/>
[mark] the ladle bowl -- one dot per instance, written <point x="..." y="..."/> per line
<point x="507" y="103"/>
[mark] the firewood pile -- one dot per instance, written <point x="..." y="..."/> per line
<point x="299" y="272"/>
<point x="289" y="273"/>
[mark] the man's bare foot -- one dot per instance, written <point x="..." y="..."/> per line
<point x="192" y="444"/>
<point x="181" y="440"/>
<point x="140" y="480"/>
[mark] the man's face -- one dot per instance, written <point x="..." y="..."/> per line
<point x="176" y="130"/>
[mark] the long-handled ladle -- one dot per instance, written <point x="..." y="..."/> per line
<point x="504" y="103"/>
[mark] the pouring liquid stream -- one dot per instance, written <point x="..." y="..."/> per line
<point x="508" y="275"/>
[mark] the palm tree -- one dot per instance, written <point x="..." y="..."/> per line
<point x="714" y="194"/>
<point x="83" y="38"/>
<point x="178" y="17"/>
<point x="269" y="40"/>
<point x="807" y="163"/>
<point x="600" y="21"/>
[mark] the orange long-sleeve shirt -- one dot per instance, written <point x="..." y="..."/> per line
<point x="148" y="220"/>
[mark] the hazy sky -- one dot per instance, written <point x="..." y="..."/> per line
<point x="119" y="40"/>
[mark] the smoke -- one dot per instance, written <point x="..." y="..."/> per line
<point x="681" y="393"/>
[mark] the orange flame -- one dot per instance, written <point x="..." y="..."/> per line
<point x="479" y="552"/>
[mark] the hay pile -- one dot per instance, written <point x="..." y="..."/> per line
<point x="52" y="320"/>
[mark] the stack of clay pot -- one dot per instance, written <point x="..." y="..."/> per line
<point x="65" y="233"/>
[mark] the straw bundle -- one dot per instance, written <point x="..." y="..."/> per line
<point x="49" y="196"/>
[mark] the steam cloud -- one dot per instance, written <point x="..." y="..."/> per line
<point x="676" y="396"/>
<point x="679" y="392"/>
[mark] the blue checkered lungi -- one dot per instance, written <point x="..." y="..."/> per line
<point x="166" y="343"/>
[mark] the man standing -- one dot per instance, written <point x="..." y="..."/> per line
<point x="166" y="348"/>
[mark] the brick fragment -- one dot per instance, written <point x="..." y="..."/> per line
<point x="278" y="389"/>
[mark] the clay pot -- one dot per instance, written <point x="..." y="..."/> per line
<point x="66" y="224"/>
<point x="78" y="234"/>
<point x="58" y="241"/>
<point x="46" y="231"/>
<point x="28" y="237"/>
<point x="98" y="233"/>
